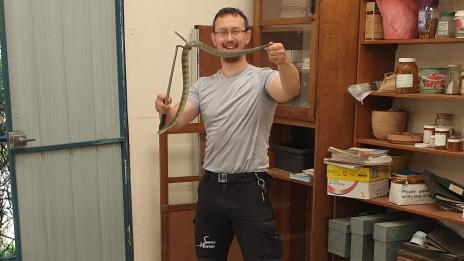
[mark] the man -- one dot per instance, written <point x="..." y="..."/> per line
<point x="237" y="104"/>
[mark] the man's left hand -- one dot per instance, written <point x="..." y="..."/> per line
<point x="276" y="52"/>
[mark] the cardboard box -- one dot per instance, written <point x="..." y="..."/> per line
<point x="363" y="174"/>
<point x="374" y="26"/>
<point x="357" y="189"/>
<point x="409" y="194"/>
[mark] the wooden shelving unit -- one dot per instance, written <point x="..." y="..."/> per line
<point x="307" y="205"/>
<point x="414" y="41"/>
<point x="387" y="144"/>
<point x="428" y="210"/>
<point x="286" y="21"/>
<point x="376" y="57"/>
<point x="421" y="96"/>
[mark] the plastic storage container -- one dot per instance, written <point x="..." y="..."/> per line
<point x="428" y="18"/>
<point x="293" y="158"/>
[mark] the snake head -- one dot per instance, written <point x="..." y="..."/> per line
<point x="178" y="34"/>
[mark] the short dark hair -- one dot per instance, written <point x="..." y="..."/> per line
<point x="232" y="11"/>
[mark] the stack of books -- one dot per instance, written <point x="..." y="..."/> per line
<point x="355" y="157"/>
<point x="448" y="194"/>
<point x="305" y="175"/>
<point x="358" y="172"/>
<point x="293" y="8"/>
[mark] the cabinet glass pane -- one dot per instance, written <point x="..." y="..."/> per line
<point x="274" y="9"/>
<point x="297" y="45"/>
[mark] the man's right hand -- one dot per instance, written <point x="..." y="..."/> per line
<point x="163" y="104"/>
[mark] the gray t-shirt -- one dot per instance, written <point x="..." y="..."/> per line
<point x="238" y="114"/>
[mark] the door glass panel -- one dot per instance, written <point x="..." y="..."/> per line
<point x="296" y="40"/>
<point x="274" y="9"/>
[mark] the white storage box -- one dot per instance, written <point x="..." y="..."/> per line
<point x="409" y="194"/>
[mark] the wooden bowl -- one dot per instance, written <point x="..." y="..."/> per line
<point x="386" y="122"/>
<point x="405" y="137"/>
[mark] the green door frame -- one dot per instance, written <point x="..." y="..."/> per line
<point x="123" y="139"/>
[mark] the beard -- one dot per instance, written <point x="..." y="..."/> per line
<point x="231" y="59"/>
<point x="226" y="46"/>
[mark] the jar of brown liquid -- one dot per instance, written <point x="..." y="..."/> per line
<point x="407" y="78"/>
<point x="454" y="144"/>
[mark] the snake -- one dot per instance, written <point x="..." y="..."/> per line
<point x="185" y="70"/>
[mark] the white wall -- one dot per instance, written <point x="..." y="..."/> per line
<point x="150" y="44"/>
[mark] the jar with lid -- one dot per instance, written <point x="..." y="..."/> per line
<point x="432" y="141"/>
<point x="428" y="18"/>
<point x="454" y="79"/>
<point x="462" y="84"/>
<point x="444" y="119"/>
<point x="459" y="22"/>
<point x="429" y="130"/>
<point x="407" y="78"/>
<point x="446" y="27"/>
<point x="441" y="136"/>
<point x="454" y="144"/>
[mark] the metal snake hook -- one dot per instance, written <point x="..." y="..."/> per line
<point x="163" y="116"/>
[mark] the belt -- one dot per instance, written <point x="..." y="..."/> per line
<point x="234" y="177"/>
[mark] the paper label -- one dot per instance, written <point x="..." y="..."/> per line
<point x="442" y="29"/>
<point x="456" y="189"/>
<point x="440" y="140"/>
<point x="404" y="81"/>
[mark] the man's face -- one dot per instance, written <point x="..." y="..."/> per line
<point x="230" y="33"/>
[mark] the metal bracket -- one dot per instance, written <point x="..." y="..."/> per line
<point x="17" y="139"/>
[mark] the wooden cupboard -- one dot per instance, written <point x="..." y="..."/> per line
<point x="321" y="116"/>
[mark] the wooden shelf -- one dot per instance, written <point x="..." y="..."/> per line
<point x="428" y="210"/>
<point x="384" y="143"/>
<point x="299" y="123"/>
<point x="283" y="175"/>
<point x="414" y="41"/>
<point x="421" y="96"/>
<point x="286" y="21"/>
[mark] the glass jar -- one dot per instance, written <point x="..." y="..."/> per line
<point x="428" y="18"/>
<point x="446" y="26"/>
<point x="444" y="119"/>
<point x="429" y="130"/>
<point x="432" y="141"/>
<point x="441" y="136"/>
<point x="454" y="144"/>
<point x="407" y="78"/>
<point x="462" y="84"/>
<point x="454" y="79"/>
<point x="459" y="22"/>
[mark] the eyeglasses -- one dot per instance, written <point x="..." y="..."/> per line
<point x="233" y="32"/>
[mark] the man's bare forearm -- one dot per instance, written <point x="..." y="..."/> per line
<point x="289" y="78"/>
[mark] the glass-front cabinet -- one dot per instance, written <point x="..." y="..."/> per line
<point x="292" y="23"/>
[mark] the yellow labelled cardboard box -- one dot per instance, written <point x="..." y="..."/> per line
<point x="364" y="174"/>
<point x="357" y="189"/>
<point x="409" y="194"/>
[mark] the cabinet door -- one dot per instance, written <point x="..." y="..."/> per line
<point x="294" y="27"/>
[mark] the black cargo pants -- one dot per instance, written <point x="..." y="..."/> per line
<point x="235" y="204"/>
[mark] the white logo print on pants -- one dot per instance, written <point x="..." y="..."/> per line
<point x="206" y="243"/>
